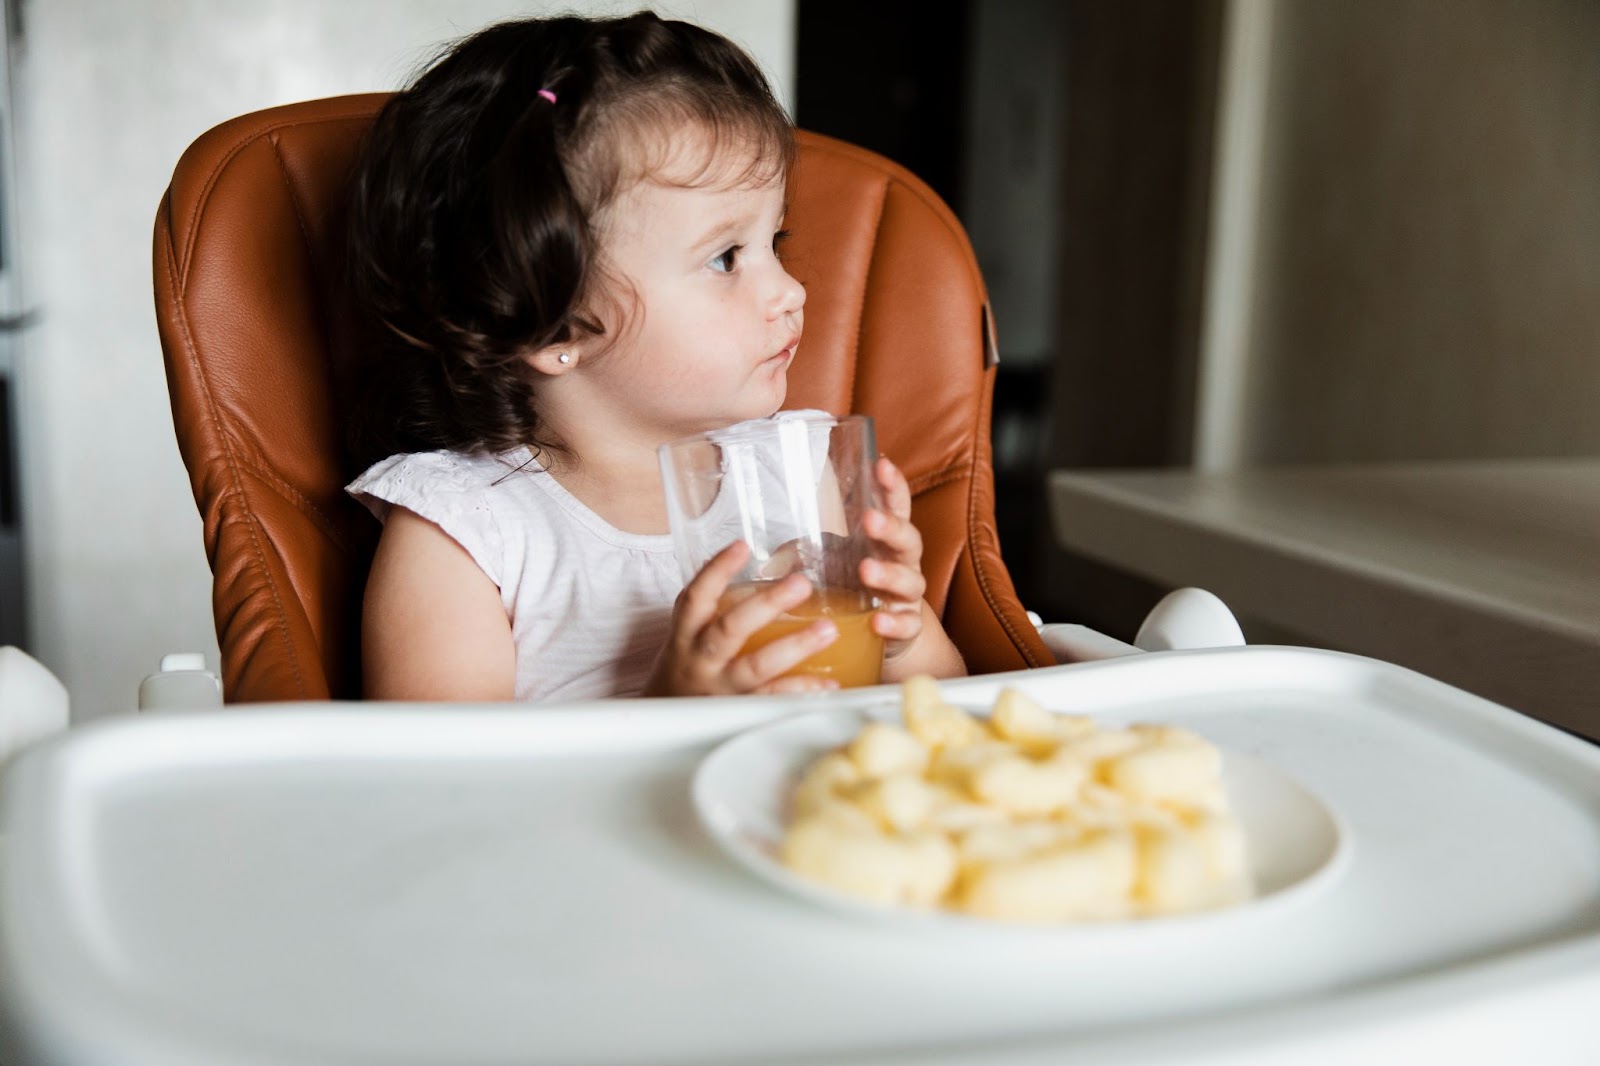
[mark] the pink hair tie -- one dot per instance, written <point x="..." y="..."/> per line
<point x="548" y="95"/>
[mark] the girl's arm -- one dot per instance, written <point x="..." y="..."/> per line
<point x="432" y="626"/>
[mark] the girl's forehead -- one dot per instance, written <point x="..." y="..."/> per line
<point x="655" y="211"/>
<point x="695" y="156"/>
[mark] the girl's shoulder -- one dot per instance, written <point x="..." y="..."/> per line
<point x="473" y="497"/>
<point x="442" y="471"/>
<point x="440" y="484"/>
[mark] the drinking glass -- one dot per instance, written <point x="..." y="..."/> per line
<point x="793" y="487"/>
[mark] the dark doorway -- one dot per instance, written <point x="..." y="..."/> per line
<point x="889" y="76"/>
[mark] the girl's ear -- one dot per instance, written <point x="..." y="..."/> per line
<point x="555" y="360"/>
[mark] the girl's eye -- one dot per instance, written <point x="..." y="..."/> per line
<point x="724" y="263"/>
<point x="778" y="240"/>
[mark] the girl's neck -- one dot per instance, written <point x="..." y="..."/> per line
<point x="620" y="484"/>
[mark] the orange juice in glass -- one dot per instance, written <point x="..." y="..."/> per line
<point x="854" y="659"/>
<point x="793" y="487"/>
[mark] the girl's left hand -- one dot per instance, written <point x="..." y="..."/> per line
<point x="895" y="576"/>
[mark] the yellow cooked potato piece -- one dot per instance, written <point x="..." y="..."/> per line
<point x="1087" y="880"/>
<point x="915" y="869"/>
<point x="1073" y="726"/>
<point x="845" y="813"/>
<point x="1025" y="786"/>
<point x="1017" y="717"/>
<point x="934" y="722"/>
<point x="1172" y="870"/>
<point x="955" y="813"/>
<point x="900" y="801"/>
<point x="823" y="781"/>
<point x="1164" y="772"/>
<point x="1095" y="748"/>
<point x="1186" y="869"/>
<point x="954" y="767"/>
<point x="1222" y="839"/>
<point x="881" y="749"/>
<point x="1009" y="841"/>
<point x="1165" y="734"/>
<point x="944" y="726"/>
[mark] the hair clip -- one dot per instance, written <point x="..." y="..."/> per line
<point x="548" y="95"/>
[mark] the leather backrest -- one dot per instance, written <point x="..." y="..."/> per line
<point x="254" y="330"/>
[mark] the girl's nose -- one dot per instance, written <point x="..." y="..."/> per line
<point x="789" y="296"/>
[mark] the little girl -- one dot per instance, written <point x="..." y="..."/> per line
<point x="564" y="237"/>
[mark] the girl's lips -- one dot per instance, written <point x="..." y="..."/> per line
<point x="786" y="353"/>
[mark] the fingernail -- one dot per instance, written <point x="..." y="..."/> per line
<point x="824" y="632"/>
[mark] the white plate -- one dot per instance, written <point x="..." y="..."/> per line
<point x="1296" y="844"/>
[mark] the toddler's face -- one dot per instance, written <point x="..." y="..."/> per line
<point x="708" y="332"/>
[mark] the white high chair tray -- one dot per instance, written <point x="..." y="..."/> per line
<point x="344" y="884"/>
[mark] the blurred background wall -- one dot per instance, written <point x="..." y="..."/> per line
<point x="1321" y="232"/>
<point x="1427" y="280"/>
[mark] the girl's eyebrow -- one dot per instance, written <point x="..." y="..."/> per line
<point x="722" y="231"/>
<point x="730" y="226"/>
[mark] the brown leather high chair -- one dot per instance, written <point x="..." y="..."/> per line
<point x="253" y="327"/>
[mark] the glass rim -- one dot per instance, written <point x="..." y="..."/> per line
<point x="755" y="428"/>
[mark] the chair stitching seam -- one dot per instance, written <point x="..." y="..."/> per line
<point x="299" y="500"/>
<point x="204" y="198"/>
<point x="292" y="494"/>
<point x="925" y="482"/>
<point x="289" y="492"/>
<point x="983" y="579"/>
<point x="233" y="469"/>
<point x="294" y="200"/>
<point x="866" y="287"/>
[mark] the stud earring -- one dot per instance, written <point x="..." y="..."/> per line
<point x="564" y="358"/>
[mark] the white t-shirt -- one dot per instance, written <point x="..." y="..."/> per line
<point x="589" y="605"/>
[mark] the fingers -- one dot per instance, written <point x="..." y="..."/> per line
<point x="697" y="603"/>
<point x="896" y="492"/>
<point x="899" y="590"/>
<point x="894" y="583"/>
<point x="721" y="638"/>
<point x="786" y="686"/>
<point x="897" y="538"/>
<point x="898" y="626"/>
<point x="762" y="669"/>
<point x="891" y="526"/>
<point x="715" y="619"/>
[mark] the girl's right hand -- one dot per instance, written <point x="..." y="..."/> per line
<point x="702" y="656"/>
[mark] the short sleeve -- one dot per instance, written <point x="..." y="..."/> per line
<point x="448" y="489"/>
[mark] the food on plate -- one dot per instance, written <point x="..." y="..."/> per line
<point x="1024" y="815"/>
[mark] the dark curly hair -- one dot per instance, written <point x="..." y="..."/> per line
<point x="472" y="225"/>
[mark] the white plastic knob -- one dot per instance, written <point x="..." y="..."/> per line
<point x="182" y="684"/>
<point x="1189" y="618"/>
